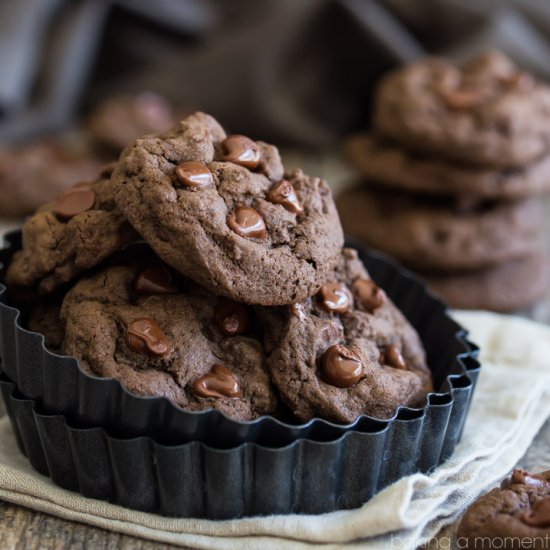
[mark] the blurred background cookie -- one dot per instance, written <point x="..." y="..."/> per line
<point x="486" y="112"/>
<point x="444" y="234"/>
<point x="509" y="286"/>
<point x="384" y="162"/>
<point x="119" y="120"/>
<point x="34" y="174"/>
<point x="452" y="179"/>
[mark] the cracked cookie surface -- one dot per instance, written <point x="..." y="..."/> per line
<point x="220" y="210"/>
<point x="346" y="352"/>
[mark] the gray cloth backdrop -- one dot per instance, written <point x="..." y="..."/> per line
<point x="295" y="71"/>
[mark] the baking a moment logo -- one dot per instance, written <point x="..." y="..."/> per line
<point x="474" y="543"/>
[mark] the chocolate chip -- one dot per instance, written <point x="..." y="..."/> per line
<point x="145" y="336"/>
<point x="219" y="382"/>
<point x="283" y="193"/>
<point x="76" y="200"/>
<point x="523" y="477"/>
<point x="299" y="309"/>
<point x="154" y="279"/>
<point x="246" y="222"/>
<point x="368" y="294"/>
<point x="108" y="170"/>
<point x="241" y="150"/>
<point x="464" y="98"/>
<point x="194" y="175"/>
<point x="231" y="317"/>
<point x="341" y="367"/>
<point x="335" y="298"/>
<point x="392" y="357"/>
<point x="540" y="515"/>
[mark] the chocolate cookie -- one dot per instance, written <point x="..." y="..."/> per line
<point x="517" y="515"/>
<point x="34" y="174"/>
<point x="138" y="325"/>
<point x="347" y="351"/>
<point x="488" y="112"/>
<point x="386" y="164"/>
<point x="120" y="120"/>
<point x="219" y="209"/>
<point x="507" y="287"/>
<point x="44" y="319"/>
<point x="68" y="236"/>
<point x="441" y="234"/>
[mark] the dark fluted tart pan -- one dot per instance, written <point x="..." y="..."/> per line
<point x="198" y="480"/>
<point x="61" y="387"/>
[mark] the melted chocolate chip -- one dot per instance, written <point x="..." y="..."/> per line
<point x="231" y="317"/>
<point x="335" y="298"/>
<point x="75" y="200"/>
<point x="525" y="478"/>
<point x="341" y="367"/>
<point x="368" y="294"/>
<point x="154" y="279"/>
<point x="219" y="382"/>
<point x="194" y="175"/>
<point x="283" y="193"/>
<point x="392" y="357"/>
<point x="540" y="514"/>
<point x="241" y="150"/>
<point x="246" y="222"/>
<point x="299" y="309"/>
<point x="145" y="336"/>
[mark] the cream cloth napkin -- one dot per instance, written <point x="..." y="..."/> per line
<point x="510" y="405"/>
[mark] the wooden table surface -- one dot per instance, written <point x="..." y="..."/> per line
<point x="21" y="528"/>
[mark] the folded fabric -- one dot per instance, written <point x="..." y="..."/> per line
<point x="510" y="405"/>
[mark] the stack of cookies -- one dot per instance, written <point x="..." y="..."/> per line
<point x="196" y="269"/>
<point x="453" y="177"/>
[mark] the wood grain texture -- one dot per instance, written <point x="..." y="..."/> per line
<point x="25" y="529"/>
